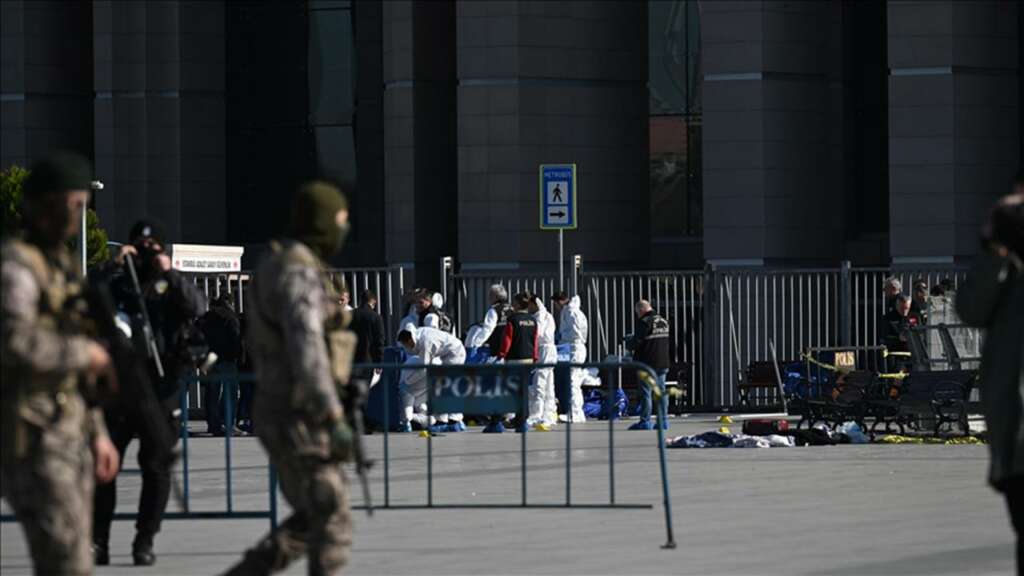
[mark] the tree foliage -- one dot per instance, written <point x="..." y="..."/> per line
<point x="12" y="181"/>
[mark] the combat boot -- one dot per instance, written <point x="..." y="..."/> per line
<point x="142" y="550"/>
<point x="100" y="554"/>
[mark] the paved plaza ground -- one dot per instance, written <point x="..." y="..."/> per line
<point x="844" y="510"/>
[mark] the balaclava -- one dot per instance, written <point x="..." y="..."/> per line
<point x="313" y="218"/>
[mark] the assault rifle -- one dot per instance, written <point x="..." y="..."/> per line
<point x="147" y="328"/>
<point x="131" y="379"/>
<point x="355" y="401"/>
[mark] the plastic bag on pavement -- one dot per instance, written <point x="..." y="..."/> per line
<point x="853" y="431"/>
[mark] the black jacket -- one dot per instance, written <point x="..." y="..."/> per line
<point x="503" y="310"/>
<point x="368" y="326"/>
<point x="223" y="333"/>
<point x="173" y="303"/>
<point x="652" y="341"/>
<point x="519" y="341"/>
<point x="895" y="327"/>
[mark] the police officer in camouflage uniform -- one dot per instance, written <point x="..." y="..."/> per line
<point x="53" y="444"/>
<point x="301" y="355"/>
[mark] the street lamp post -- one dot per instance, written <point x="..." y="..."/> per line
<point x="95" y="186"/>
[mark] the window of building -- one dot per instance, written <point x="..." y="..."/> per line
<point x="675" y="109"/>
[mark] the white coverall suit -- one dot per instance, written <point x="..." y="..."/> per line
<point x="543" y="404"/>
<point x="573" y="331"/>
<point x="480" y="337"/>
<point x="432" y="346"/>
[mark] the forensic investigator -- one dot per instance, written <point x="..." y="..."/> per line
<point x="543" y="404"/>
<point x="431" y="346"/>
<point x="573" y="330"/>
<point x="492" y="330"/>
<point x="298" y="346"/>
<point x="992" y="298"/>
<point x="430" y="311"/>
<point x="518" y="346"/>
<point x="172" y="302"/>
<point x="650" y="346"/>
<point x="54" y="444"/>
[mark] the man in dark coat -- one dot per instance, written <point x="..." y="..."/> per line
<point x="369" y="327"/>
<point x="992" y="298"/>
<point x="223" y="333"/>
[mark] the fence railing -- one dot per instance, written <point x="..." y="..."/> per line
<point x="388" y="283"/>
<point x="722" y="319"/>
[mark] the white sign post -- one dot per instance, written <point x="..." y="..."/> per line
<point x="558" y="206"/>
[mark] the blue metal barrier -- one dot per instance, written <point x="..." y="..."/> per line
<point x="562" y="378"/>
<point x="182" y="491"/>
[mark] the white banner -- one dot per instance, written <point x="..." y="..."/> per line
<point x="201" y="258"/>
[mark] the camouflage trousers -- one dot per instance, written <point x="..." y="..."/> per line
<point x="51" y="492"/>
<point x="321" y="525"/>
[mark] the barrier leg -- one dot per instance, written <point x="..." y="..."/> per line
<point x="524" y="412"/>
<point x="387" y="428"/>
<point x="671" y="542"/>
<point x="228" y="391"/>
<point x="273" y="498"/>
<point x="568" y="456"/>
<point x="430" y="448"/>
<point x="183" y="397"/>
<point x="609" y="403"/>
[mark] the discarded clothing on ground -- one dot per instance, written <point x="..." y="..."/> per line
<point x="722" y="440"/>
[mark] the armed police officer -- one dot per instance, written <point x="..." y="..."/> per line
<point x="141" y="275"/>
<point x="53" y="443"/>
<point x="298" y="348"/>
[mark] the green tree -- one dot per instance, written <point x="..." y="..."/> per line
<point x="12" y="181"/>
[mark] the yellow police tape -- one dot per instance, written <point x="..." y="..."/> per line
<point x="888" y="375"/>
<point x="960" y="440"/>
<point x="647" y="380"/>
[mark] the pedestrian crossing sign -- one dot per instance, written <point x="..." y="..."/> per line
<point x="558" y="196"/>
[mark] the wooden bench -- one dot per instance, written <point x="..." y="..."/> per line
<point x="678" y="377"/>
<point x="760" y="375"/>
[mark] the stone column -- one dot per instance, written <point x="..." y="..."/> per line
<point x="551" y="82"/>
<point x="772" y="132"/>
<point x="159" y="109"/>
<point x="954" y="130"/>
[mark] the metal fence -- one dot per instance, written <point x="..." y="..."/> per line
<point x="755" y="309"/>
<point x="466" y="295"/>
<point x="607" y="299"/>
<point x="722" y="319"/>
<point x="388" y="283"/>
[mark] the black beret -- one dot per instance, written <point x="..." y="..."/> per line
<point x="147" y="229"/>
<point x="59" y="172"/>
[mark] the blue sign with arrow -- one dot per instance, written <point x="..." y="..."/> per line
<point x="558" y="196"/>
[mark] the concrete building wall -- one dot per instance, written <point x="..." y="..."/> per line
<point x="954" y="103"/>
<point x="551" y="82"/>
<point x="46" y="80"/>
<point x="772" y="132"/>
<point x="457" y="103"/>
<point x="159" y="115"/>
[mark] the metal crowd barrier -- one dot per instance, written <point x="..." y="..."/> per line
<point x="722" y="318"/>
<point x="515" y="401"/>
<point x="182" y="489"/>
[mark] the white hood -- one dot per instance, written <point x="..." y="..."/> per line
<point x="574" y="325"/>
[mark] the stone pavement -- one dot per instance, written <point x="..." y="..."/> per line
<point x="843" y="510"/>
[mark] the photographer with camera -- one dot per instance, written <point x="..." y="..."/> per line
<point x="163" y="305"/>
